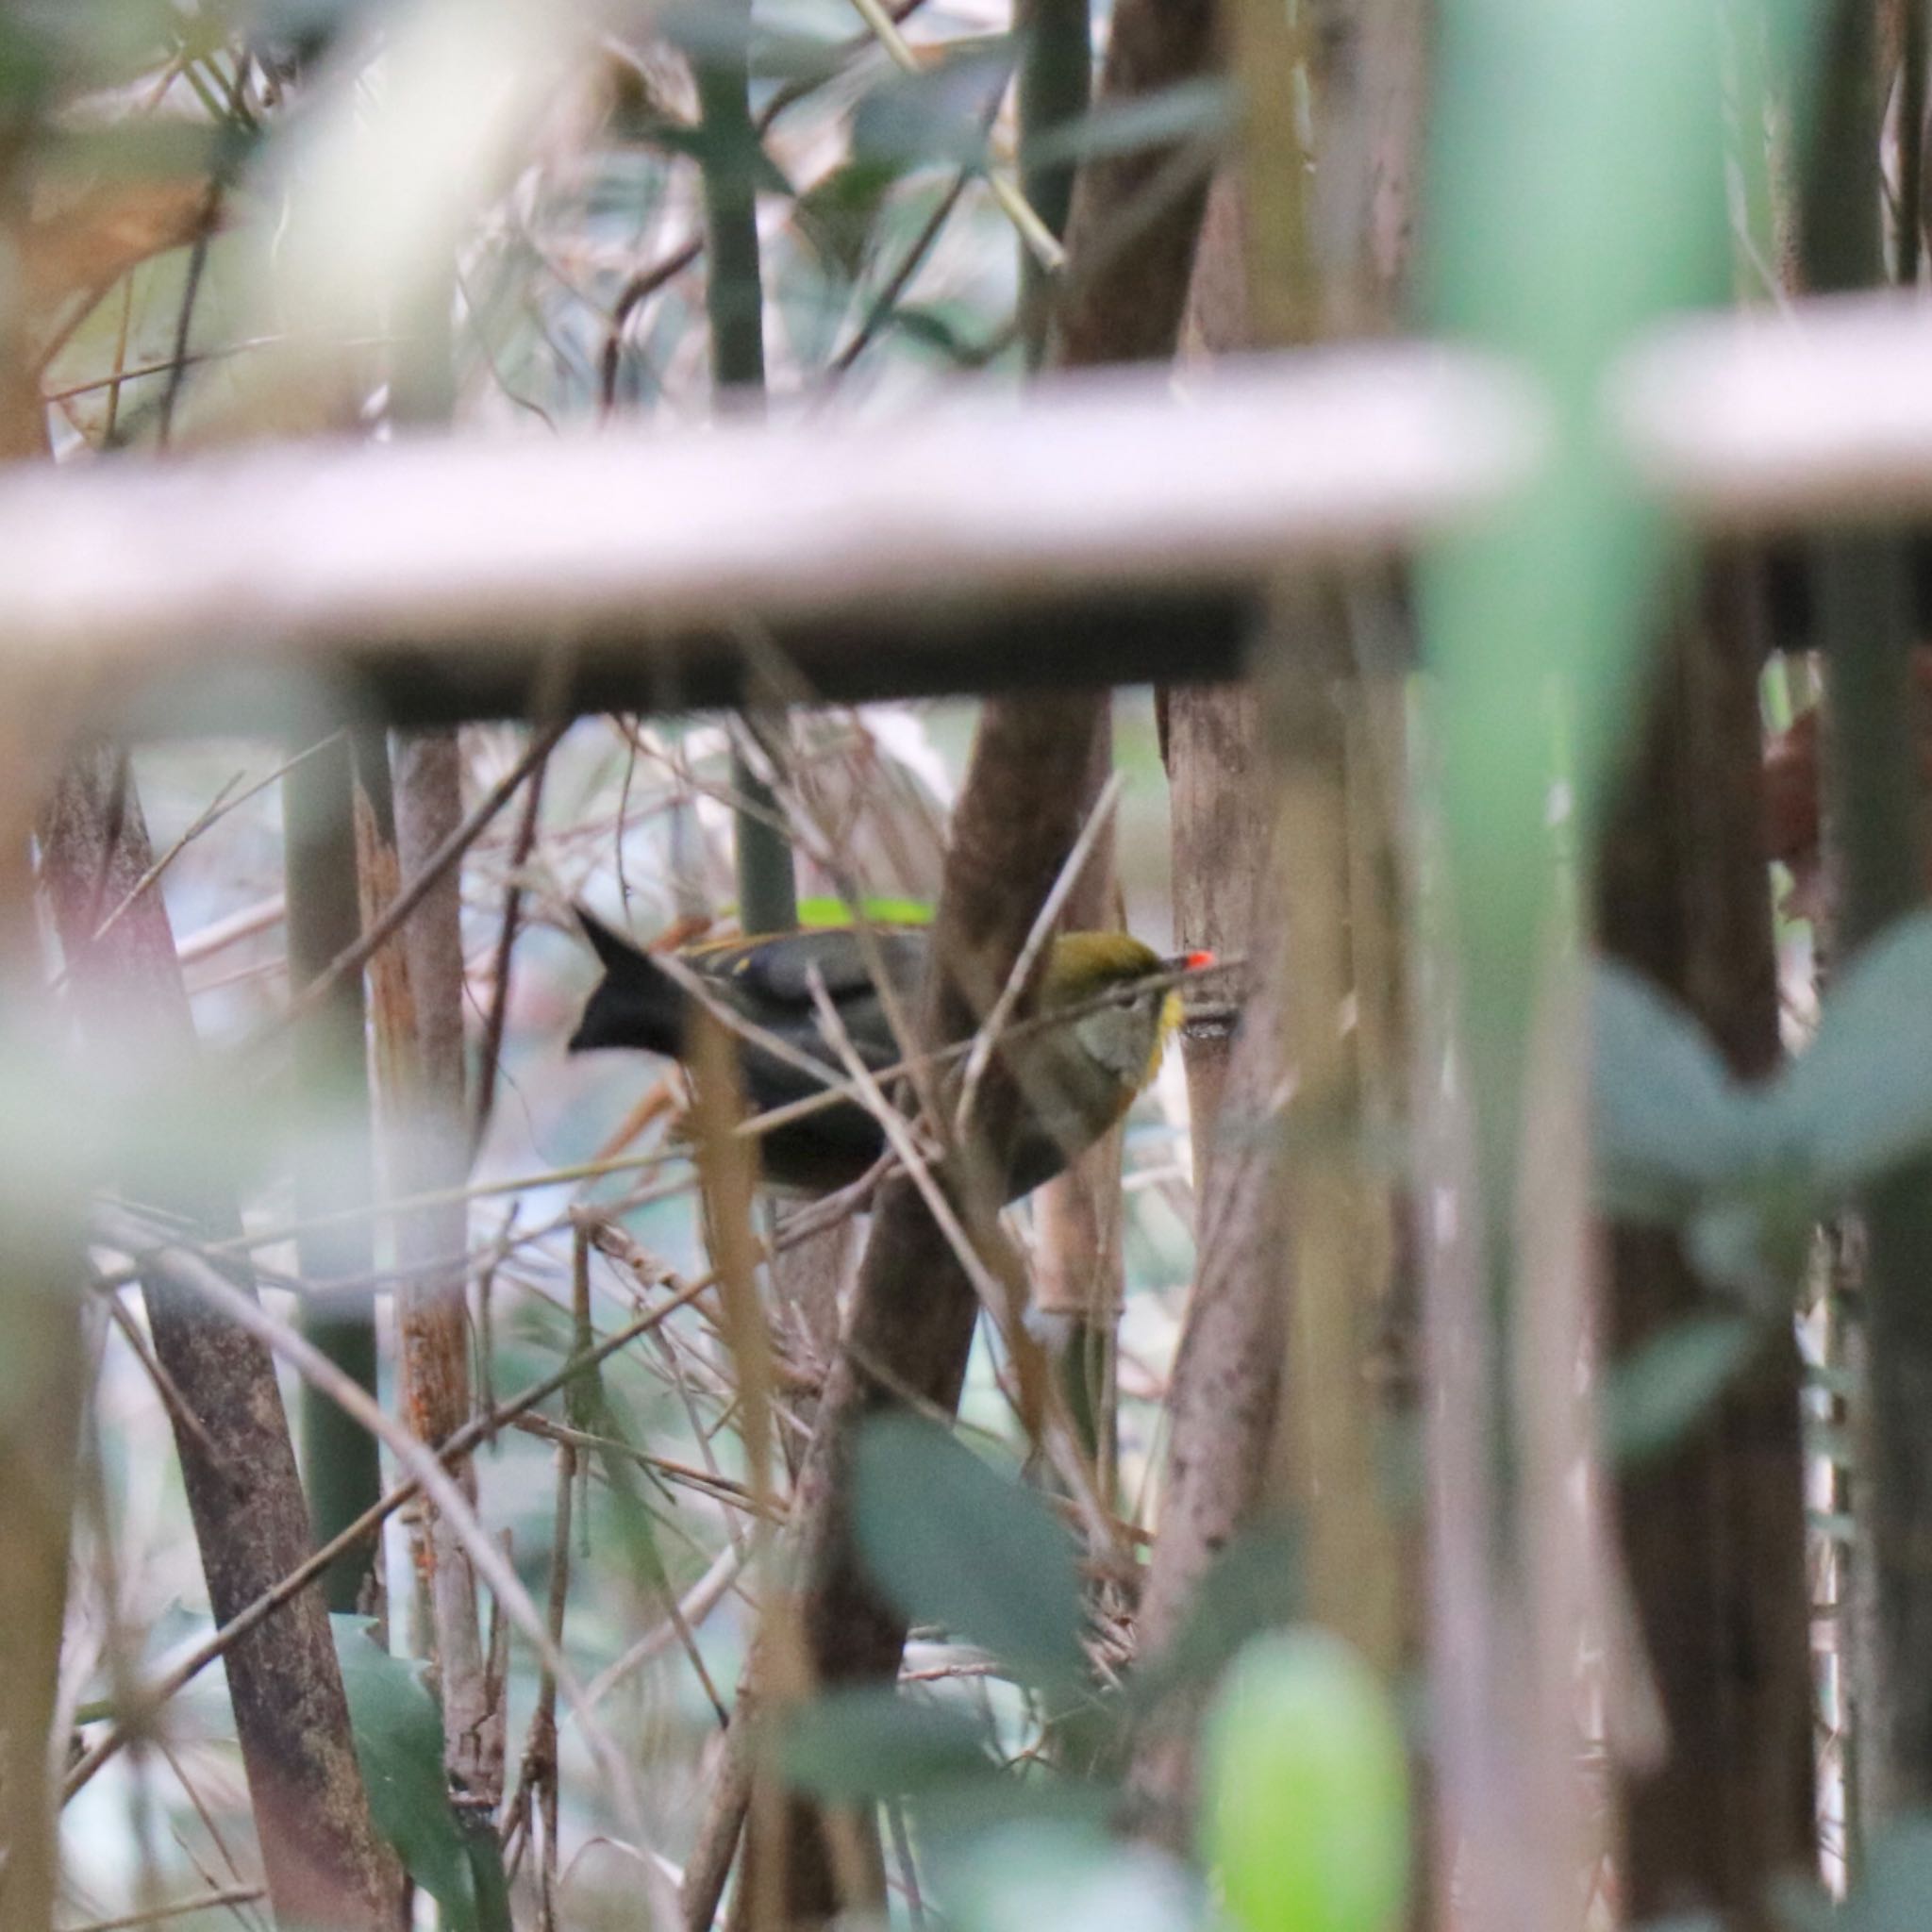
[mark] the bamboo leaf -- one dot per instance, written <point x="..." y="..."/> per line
<point x="1859" y="1100"/>
<point x="1671" y="1129"/>
<point x="1070" y="1874"/>
<point x="1253" y="1586"/>
<point x="874" y="1743"/>
<point x="938" y="116"/>
<point x="1663" y="1390"/>
<point x="1304" y="1790"/>
<point x="1892" y="1896"/>
<point x="955" y="1544"/>
<point x="398" y="1733"/>
<point x="1200" y="110"/>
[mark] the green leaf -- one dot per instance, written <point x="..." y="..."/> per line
<point x="1200" y="110"/>
<point x="840" y="213"/>
<point x="1305" y="1790"/>
<point x="1652" y="1398"/>
<point x="592" y="1409"/>
<point x="1671" y="1128"/>
<point x="1895" y="1894"/>
<point x="1755" y="1243"/>
<point x="1252" y="1587"/>
<point x="398" y="1732"/>
<point x="1860" y="1098"/>
<point x="738" y="154"/>
<point x="1892" y="1896"/>
<point x="952" y="1543"/>
<point x="940" y="116"/>
<point x="937" y="328"/>
<point x="875" y="1743"/>
<point x="1802" y="1907"/>
<point x="707" y="35"/>
<point x="880" y="912"/>
<point x="1060" y="1875"/>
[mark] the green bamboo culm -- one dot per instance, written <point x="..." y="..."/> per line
<point x="342" y="1469"/>
<point x="734" y="290"/>
<point x="1055" y="90"/>
<point x="734" y="310"/>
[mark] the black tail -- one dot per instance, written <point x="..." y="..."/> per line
<point x="635" y="1004"/>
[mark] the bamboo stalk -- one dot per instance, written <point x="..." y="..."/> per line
<point x="341" y="1463"/>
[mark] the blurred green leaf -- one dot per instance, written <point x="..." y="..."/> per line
<point x="937" y="328"/>
<point x="1755" y="1243"/>
<point x="137" y="150"/>
<point x="45" y="43"/>
<point x="1305" y="1777"/>
<point x="1894" y="1894"/>
<point x="1577" y="193"/>
<point x="739" y="150"/>
<point x="1065" y="1875"/>
<point x="1191" y="110"/>
<point x="881" y="911"/>
<point x="1801" y="1907"/>
<point x="590" y="1407"/>
<point x="954" y="1544"/>
<point x="1859" y="1097"/>
<point x="706" y="34"/>
<point x="956" y="1821"/>
<point x="1671" y="1126"/>
<point x="839" y="214"/>
<point x="1253" y="1586"/>
<point x="938" y="117"/>
<point x="1746" y="1170"/>
<point x="1652" y="1398"/>
<point x="398" y="1732"/>
<point x="876" y="1743"/>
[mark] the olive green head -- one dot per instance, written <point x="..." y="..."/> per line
<point x="1085" y="966"/>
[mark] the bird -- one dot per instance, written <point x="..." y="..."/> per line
<point x="1077" y="1079"/>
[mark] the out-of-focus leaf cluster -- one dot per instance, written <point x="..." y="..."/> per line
<point x="1011" y="1777"/>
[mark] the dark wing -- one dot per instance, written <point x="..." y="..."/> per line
<point x="770" y="980"/>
